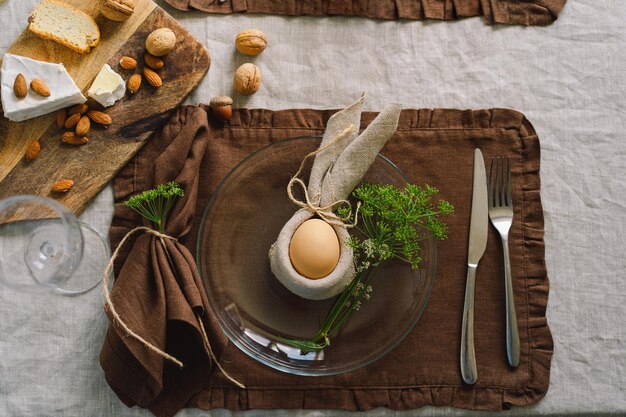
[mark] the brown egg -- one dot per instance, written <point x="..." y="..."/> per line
<point x="314" y="249"/>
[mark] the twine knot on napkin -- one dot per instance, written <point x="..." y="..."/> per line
<point x="340" y="163"/>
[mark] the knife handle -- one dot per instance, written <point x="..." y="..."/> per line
<point x="512" y="331"/>
<point x="468" y="357"/>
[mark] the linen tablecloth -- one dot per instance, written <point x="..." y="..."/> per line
<point x="567" y="78"/>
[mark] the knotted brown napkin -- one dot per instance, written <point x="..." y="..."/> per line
<point x="519" y="12"/>
<point x="430" y="146"/>
<point x="157" y="298"/>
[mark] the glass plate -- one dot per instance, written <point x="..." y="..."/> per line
<point x="243" y="218"/>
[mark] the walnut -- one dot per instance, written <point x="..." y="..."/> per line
<point x="160" y="42"/>
<point x="250" y="42"/>
<point x="247" y="79"/>
<point x="118" y="10"/>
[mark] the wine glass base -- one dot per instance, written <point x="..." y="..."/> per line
<point x="45" y="254"/>
<point x="89" y="272"/>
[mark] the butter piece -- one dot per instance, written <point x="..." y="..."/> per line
<point x="63" y="90"/>
<point x="108" y="87"/>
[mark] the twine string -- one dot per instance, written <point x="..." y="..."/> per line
<point x="212" y="357"/>
<point x="326" y="212"/>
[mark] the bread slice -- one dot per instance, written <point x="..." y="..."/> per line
<point x="64" y="24"/>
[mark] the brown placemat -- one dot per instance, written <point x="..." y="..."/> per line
<point x="519" y="12"/>
<point x="430" y="146"/>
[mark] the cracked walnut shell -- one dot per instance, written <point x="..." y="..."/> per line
<point x="117" y="10"/>
<point x="247" y="79"/>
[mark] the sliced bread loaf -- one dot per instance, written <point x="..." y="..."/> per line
<point x="64" y="24"/>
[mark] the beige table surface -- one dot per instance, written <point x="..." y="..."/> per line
<point x="568" y="78"/>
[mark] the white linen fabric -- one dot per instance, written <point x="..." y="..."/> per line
<point x="567" y="78"/>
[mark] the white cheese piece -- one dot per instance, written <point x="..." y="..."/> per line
<point x="108" y="87"/>
<point x="63" y="90"/>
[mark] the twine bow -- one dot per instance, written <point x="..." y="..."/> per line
<point x="326" y="212"/>
<point x="108" y="306"/>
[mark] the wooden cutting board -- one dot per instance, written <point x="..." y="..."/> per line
<point x="93" y="165"/>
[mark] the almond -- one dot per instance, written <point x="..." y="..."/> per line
<point x="134" y="83"/>
<point x="100" y="118"/>
<point x="71" y="139"/>
<point x="83" y="125"/>
<point x="68" y="136"/>
<point x="153" y="62"/>
<point x="79" y="108"/>
<point x="62" y="186"/>
<point x="152" y="77"/>
<point x="71" y="121"/>
<point x="128" y="63"/>
<point x="61" y="117"/>
<point x="40" y="88"/>
<point x="20" y="88"/>
<point x="33" y="150"/>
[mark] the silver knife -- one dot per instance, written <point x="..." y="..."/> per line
<point x="477" y="244"/>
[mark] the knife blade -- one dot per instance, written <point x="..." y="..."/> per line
<point x="477" y="244"/>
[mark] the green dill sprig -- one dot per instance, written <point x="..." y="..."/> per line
<point x="391" y="224"/>
<point x="395" y="222"/>
<point x="156" y="204"/>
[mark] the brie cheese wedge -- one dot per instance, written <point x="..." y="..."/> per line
<point x="63" y="90"/>
<point x="108" y="87"/>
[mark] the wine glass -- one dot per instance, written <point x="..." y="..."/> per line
<point x="44" y="248"/>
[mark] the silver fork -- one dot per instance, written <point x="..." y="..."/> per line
<point x="501" y="215"/>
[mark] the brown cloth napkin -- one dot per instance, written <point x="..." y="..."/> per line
<point x="157" y="301"/>
<point x="519" y="12"/>
<point x="430" y="146"/>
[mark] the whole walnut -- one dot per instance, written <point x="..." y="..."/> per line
<point x="117" y="10"/>
<point x="161" y="42"/>
<point x="250" y="42"/>
<point x="247" y="79"/>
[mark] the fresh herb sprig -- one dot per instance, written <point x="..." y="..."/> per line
<point x="156" y="204"/>
<point x="391" y="224"/>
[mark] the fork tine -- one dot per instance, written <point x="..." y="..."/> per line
<point x="501" y="185"/>
<point x="498" y="186"/>
<point x="490" y="189"/>
<point x="509" y="201"/>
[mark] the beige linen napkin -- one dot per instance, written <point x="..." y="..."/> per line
<point x="343" y="159"/>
